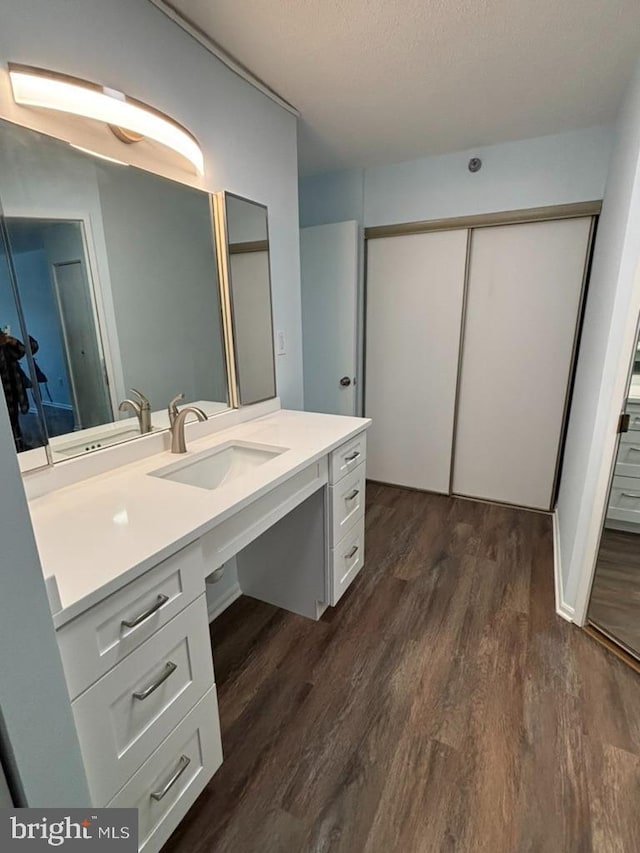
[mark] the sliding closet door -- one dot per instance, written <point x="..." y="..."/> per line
<point x="414" y="300"/>
<point x="523" y="301"/>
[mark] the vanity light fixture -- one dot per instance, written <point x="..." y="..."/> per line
<point x="130" y="120"/>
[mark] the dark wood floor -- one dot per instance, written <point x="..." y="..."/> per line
<point x="615" y="596"/>
<point x="442" y="706"/>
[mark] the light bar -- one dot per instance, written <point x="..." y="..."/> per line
<point x="36" y="87"/>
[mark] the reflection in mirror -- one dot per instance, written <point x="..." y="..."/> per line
<point x="116" y="277"/>
<point x="614" y="607"/>
<point x="18" y="370"/>
<point x="247" y="237"/>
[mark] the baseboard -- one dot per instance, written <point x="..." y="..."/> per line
<point x="562" y="608"/>
<point x="216" y="607"/>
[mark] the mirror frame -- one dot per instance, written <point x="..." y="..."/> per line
<point x="224" y="274"/>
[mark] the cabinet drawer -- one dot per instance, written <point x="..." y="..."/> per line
<point x="628" y="459"/>
<point x="188" y="757"/>
<point x="346" y="560"/>
<point x="347" y="457"/>
<point x="633" y="410"/>
<point x="123" y="717"/>
<point x="624" y="501"/>
<point x="98" y="639"/>
<point x="347" y="502"/>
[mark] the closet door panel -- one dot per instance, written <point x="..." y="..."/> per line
<point x="414" y="298"/>
<point x="524" y="294"/>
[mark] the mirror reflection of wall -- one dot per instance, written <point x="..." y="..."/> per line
<point x="250" y="285"/>
<point x="614" y="607"/>
<point x="117" y="279"/>
<point x="16" y="368"/>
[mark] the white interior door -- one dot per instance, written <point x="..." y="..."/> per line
<point x="524" y="295"/>
<point x="92" y="405"/>
<point x="329" y="273"/>
<point x="414" y="299"/>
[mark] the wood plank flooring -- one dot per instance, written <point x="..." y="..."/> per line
<point x="442" y="706"/>
<point x="615" y="597"/>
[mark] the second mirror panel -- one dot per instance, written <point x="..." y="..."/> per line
<point x="615" y="596"/>
<point x="247" y="235"/>
<point x="117" y="280"/>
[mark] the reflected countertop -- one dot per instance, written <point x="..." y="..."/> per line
<point x="102" y="533"/>
<point x="634" y="390"/>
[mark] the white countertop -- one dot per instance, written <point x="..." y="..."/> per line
<point x="99" y="534"/>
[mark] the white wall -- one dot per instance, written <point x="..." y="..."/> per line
<point x="605" y="352"/>
<point x="249" y="142"/>
<point x="567" y="167"/>
<point x="35" y="713"/>
<point x="250" y="148"/>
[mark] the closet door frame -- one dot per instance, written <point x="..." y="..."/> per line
<point x="578" y="210"/>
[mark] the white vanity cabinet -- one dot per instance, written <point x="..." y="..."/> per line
<point x="138" y="659"/>
<point x="347" y="504"/>
<point x="140" y="674"/>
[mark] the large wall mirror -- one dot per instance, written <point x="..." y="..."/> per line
<point x="110" y="274"/>
<point x="614" y="607"/>
<point x="243" y="235"/>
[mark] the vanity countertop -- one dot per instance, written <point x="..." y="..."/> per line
<point x="102" y="533"/>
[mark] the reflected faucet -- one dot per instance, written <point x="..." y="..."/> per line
<point x="178" y="444"/>
<point x="172" y="409"/>
<point x="142" y="409"/>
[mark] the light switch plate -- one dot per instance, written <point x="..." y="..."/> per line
<point x="281" y="343"/>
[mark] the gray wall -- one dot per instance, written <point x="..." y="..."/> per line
<point x="249" y="142"/>
<point x="567" y="167"/>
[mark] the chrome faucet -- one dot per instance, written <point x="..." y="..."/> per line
<point x="178" y="444"/>
<point x="142" y="409"/>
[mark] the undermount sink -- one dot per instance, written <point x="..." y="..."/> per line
<point x="219" y="466"/>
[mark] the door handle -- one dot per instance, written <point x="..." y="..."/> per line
<point x="345" y="381"/>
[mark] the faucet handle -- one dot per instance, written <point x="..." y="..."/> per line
<point x="173" y="408"/>
<point x="144" y="401"/>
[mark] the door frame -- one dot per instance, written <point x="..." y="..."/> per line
<point x="101" y="295"/>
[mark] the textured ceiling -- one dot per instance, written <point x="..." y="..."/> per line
<point x="389" y="80"/>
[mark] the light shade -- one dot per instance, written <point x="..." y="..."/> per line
<point x="36" y="87"/>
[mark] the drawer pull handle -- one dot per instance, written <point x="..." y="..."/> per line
<point x="354" y="494"/>
<point x="184" y="762"/>
<point x="352" y="456"/>
<point x="170" y="667"/>
<point x="629" y="495"/>
<point x="634" y="449"/>
<point x="351" y="553"/>
<point x="138" y="620"/>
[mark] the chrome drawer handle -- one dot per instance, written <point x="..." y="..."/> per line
<point x="634" y="449"/>
<point x="354" y="494"/>
<point x="170" y="667"/>
<point x="352" y="456"/>
<point x="351" y="553"/>
<point x="184" y="762"/>
<point x="137" y="620"/>
<point x="629" y="495"/>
